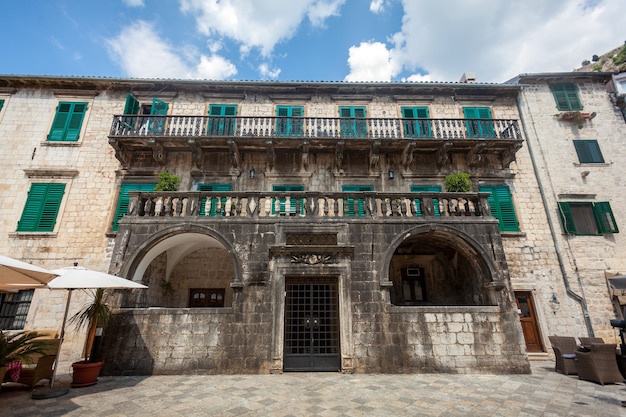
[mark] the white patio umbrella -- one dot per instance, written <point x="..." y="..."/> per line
<point x="18" y="275"/>
<point x="73" y="278"/>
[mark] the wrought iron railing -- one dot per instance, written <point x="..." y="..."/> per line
<point x="313" y="127"/>
<point x="299" y="204"/>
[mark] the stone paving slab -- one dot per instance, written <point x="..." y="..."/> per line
<point x="543" y="393"/>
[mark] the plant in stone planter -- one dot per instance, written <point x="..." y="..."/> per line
<point x="167" y="182"/>
<point x="458" y="182"/>
<point x="20" y="346"/>
<point x="575" y="117"/>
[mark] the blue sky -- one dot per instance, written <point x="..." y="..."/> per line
<point x="330" y="40"/>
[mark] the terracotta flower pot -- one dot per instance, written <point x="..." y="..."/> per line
<point x="85" y="373"/>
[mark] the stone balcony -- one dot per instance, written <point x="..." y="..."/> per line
<point x="312" y="206"/>
<point x="201" y="134"/>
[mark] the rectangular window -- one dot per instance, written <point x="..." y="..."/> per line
<point x="355" y="206"/>
<point x="501" y="203"/>
<point x="156" y="125"/>
<point x="413" y="127"/>
<point x="353" y="123"/>
<point x="480" y="128"/>
<point x="426" y="188"/>
<point x="289" y="121"/>
<point x="41" y="208"/>
<point x="124" y="200"/>
<point x="282" y="208"/>
<point x="222" y="121"/>
<point x="67" y="122"/>
<point x="580" y="218"/>
<point x="206" y="297"/>
<point x="14" y="309"/>
<point x="413" y="284"/>
<point x="216" y="207"/>
<point x="566" y="96"/>
<point x="588" y="152"/>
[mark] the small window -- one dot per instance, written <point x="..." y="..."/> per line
<point x="222" y="120"/>
<point x="501" y="203"/>
<point x="588" y="152"/>
<point x="41" y="208"/>
<point x="580" y="218"/>
<point x="566" y="96"/>
<point x="67" y="122"/>
<point x="289" y="121"/>
<point x="353" y="123"/>
<point x="480" y="128"/>
<point x="206" y="297"/>
<point x="124" y="200"/>
<point x="145" y="125"/>
<point x="413" y="285"/>
<point x="14" y="309"/>
<point x="413" y="126"/>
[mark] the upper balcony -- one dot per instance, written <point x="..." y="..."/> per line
<point x="197" y="134"/>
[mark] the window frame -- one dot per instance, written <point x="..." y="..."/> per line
<point x="412" y="127"/>
<point x="600" y="212"/>
<point x="566" y="96"/>
<point x="14" y="309"/>
<point x="40" y="213"/>
<point x="502" y="207"/>
<point x="288" y="123"/>
<point x="479" y="128"/>
<point x="351" y="124"/>
<point x="588" y="151"/>
<point x="420" y="279"/>
<point x="208" y="292"/>
<point x="221" y="122"/>
<point x="67" y="125"/>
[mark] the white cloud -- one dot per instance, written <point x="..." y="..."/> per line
<point x="503" y="39"/>
<point x="266" y="72"/>
<point x="377" y="6"/>
<point x="257" y="24"/>
<point x="134" y="3"/>
<point x="141" y="53"/>
<point x="371" y="61"/>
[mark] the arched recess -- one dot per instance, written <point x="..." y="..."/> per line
<point x="162" y="258"/>
<point x="440" y="265"/>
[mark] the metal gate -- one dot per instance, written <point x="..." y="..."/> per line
<point x="311" y="325"/>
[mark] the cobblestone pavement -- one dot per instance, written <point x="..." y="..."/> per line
<point x="543" y="393"/>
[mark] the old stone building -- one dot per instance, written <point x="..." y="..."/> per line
<point x="311" y="229"/>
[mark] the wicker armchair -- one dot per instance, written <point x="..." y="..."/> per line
<point x="599" y="364"/>
<point x="587" y="341"/>
<point x="564" y="348"/>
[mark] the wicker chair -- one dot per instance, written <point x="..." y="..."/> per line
<point x="587" y="341"/>
<point x="564" y="348"/>
<point x="599" y="364"/>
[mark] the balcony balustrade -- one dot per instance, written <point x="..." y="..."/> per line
<point x="312" y="127"/>
<point x="299" y="204"/>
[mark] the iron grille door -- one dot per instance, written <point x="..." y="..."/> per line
<point x="311" y="325"/>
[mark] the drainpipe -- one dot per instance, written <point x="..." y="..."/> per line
<point x="568" y="288"/>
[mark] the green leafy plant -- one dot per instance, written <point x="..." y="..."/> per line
<point x="167" y="182"/>
<point x="21" y="346"/>
<point x="93" y="315"/>
<point x="458" y="182"/>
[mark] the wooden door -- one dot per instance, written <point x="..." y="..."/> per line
<point x="528" y="319"/>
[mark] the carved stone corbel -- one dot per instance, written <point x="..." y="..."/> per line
<point x="508" y="155"/>
<point x="158" y="153"/>
<point x="196" y="152"/>
<point x="120" y="154"/>
<point x="271" y="154"/>
<point x="374" y="154"/>
<point x="339" y="155"/>
<point x="305" y="155"/>
<point x="407" y="155"/>
<point x="442" y="154"/>
<point x="474" y="156"/>
<point x="235" y="156"/>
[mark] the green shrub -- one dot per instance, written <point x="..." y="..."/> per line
<point x="458" y="182"/>
<point x="167" y="182"/>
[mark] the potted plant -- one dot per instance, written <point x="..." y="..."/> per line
<point x="94" y="315"/>
<point x="576" y="117"/>
<point x="20" y="346"/>
<point x="458" y="182"/>
<point x="167" y="182"/>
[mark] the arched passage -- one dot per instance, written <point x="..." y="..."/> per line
<point x="437" y="267"/>
<point x="184" y="268"/>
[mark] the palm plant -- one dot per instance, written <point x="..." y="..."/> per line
<point x="21" y="346"/>
<point x="94" y="314"/>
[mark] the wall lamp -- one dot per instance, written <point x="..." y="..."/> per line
<point x="252" y="173"/>
<point x="391" y="175"/>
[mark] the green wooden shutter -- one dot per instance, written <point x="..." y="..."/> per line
<point x="478" y="128"/>
<point x="67" y="122"/>
<point x="289" y="122"/>
<point x="416" y="128"/>
<point x="353" y="127"/>
<point x="41" y="208"/>
<point x="567" y="219"/>
<point x="213" y="187"/>
<point x="566" y="96"/>
<point x="132" y="105"/>
<point x="1" y="104"/>
<point x="426" y="188"/>
<point x="360" y="203"/>
<point x="157" y="124"/>
<point x="283" y="201"/>
<point x="502" y="208"/>
<point x="223" y="121"/>
<point x="604" y="217"/>
<point x="124" y="200"/>
<point x="588" y="152"/>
